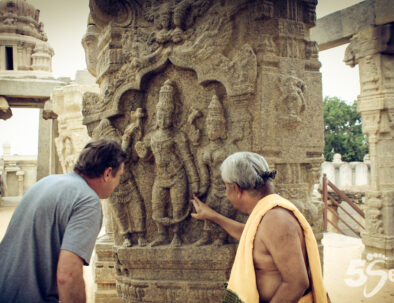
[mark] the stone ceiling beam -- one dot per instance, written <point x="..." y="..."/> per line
<point x="27" y="92"/>
<point x="337" y="28"/>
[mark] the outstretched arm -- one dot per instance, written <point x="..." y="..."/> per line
<point x="70" y="281"/>
<point x="204" y="212"/>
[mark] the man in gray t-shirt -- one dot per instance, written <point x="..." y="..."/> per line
<point x="54" y="228"/>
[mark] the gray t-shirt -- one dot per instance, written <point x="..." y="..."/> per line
<point x="58" y="212"/>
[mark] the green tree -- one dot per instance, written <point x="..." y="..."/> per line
<point x="343" y="131"/>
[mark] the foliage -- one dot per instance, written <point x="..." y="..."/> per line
<point x="343" y="131"/>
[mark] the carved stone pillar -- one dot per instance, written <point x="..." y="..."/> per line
<point x="183" y="84"/>
<point x="373" y="50"/>
<point x="73" y="135"/>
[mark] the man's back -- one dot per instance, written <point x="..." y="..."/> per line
<point x="59" y="212"/>
<point x="279" y="247"/>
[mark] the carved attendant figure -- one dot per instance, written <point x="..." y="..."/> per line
<point x="68" y="157"/>
<point x="174" y="167"/>
<point x="126" y="200"/>
<point x="293" y="90"/>
<point x="210" y="159"/>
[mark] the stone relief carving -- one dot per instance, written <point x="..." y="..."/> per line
<point x="311" y="54"/>
<point x="292" y="100"/>
<point x="264" y="9"/>
<point x="369" y="75"/>
<point x="193" y="132"/>
<point x="172" y="18"/>
<point x="268" y="45"/>
<point x="126" y="201"/>
<point x="174" y="169"/>
<point x="90" y="45"/>
<point x="210" y="158"/>
<point x="91" y="104"/>
<point x="373" y="215"/>
<point x="66" y="153"/>
<point x="170" y="30"/>
<point x="310" y="13"/>
<point x="388" y="73"/>
<point x="69" y="158"/>
<point x="214" y="52"/>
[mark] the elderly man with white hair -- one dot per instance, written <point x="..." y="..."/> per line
<point x="277" y="258"/>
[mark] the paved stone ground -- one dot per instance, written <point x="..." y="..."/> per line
<point x="342" y="267"/>
<point x="344" y="271"/>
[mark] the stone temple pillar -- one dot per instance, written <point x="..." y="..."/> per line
<point x="373" y="50"/>
<point x="184" y="84"/>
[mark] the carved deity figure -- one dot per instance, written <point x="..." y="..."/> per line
<point x="293" y="99"/>
<point x="178" y="14"/>
<point x="174" y="169"/>
<point x="126" y="201"/>
<point x="373" y="214"/>
<point x="210" y="158"/>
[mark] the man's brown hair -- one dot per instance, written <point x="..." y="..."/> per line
<point x="97" y="156"/>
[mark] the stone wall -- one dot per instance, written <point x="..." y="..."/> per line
<point x="183" y="84"/>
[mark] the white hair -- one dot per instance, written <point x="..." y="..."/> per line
<point x="248" y="170"/>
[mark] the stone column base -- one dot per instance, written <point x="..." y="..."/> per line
<point x="104" y="272"/>
<point x="166" y="274"/>
<point x="379" y="247"/>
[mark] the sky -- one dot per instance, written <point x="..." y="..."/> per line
<point x="65" y="24"/>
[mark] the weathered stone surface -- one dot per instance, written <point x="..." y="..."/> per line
<point x="373" y="50"/>
<point x="104" y="272"/>
<point x="183" y="84"/>
<point x="183" y="274"/>
<point x="72" y="134"/>
<point x="369" y="27"/>
<point x="339" y="27"/>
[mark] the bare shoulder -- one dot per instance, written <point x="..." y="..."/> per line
<point x="278" y="221"/>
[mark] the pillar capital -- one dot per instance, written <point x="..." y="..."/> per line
<point x="370" y="41"/>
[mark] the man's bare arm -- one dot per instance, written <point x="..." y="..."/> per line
<point x="70" y="281"/>
<point x="204" y="212"/>
<point x="279" y="232"/>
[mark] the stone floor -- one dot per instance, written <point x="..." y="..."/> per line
<point x="343" y="266"/>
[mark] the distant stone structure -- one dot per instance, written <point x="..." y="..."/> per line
<point x="181" y="63"/>
<point x="26" y="73"/>
<point x="17" y="173"/>
<point x="347" y="174"/>
<point x="66" y="104"/>
<point x="369" y="28"/>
